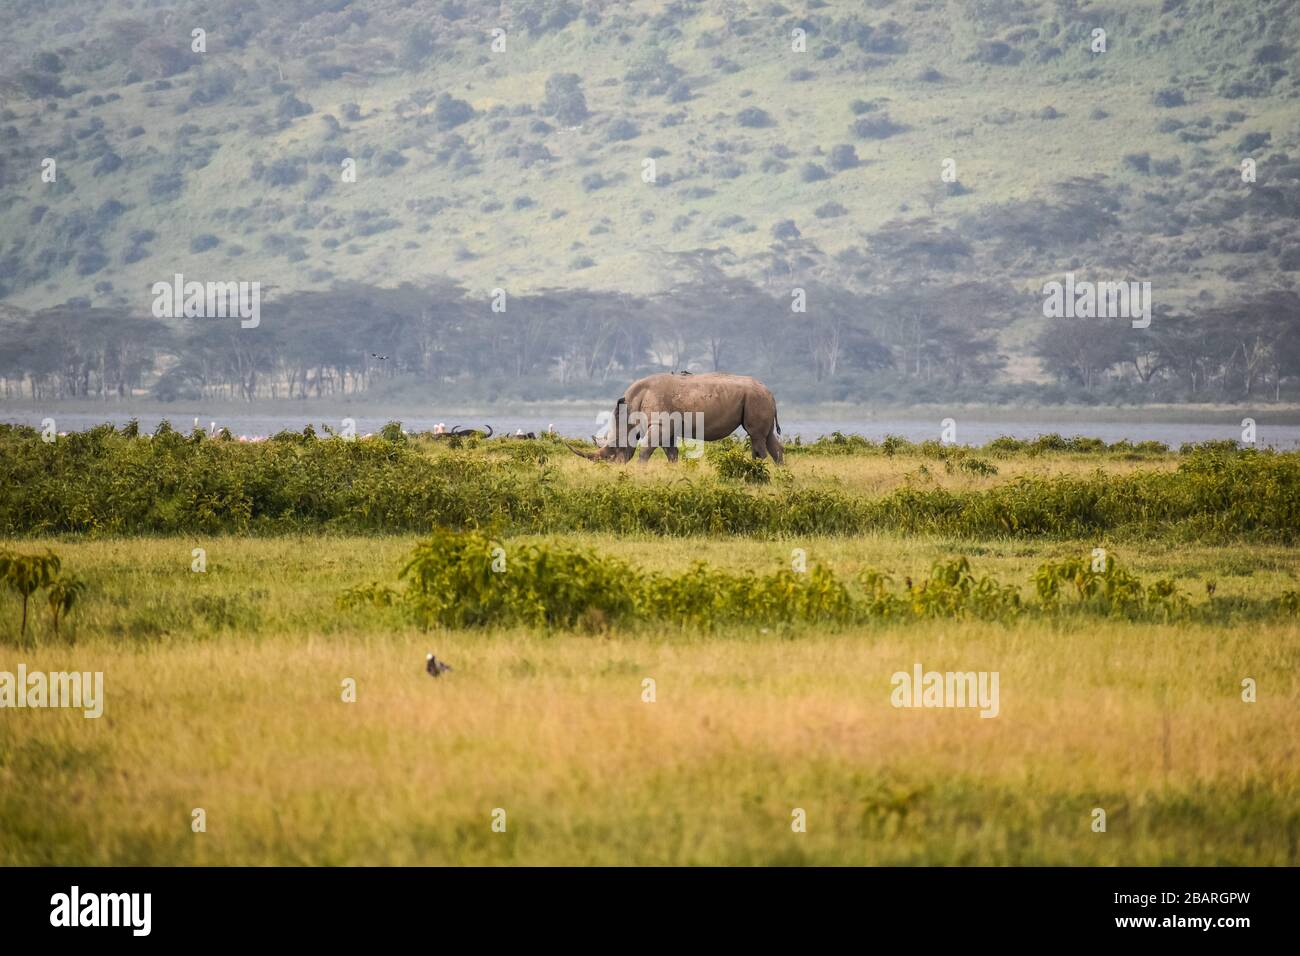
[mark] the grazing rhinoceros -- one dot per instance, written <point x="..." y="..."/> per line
<point x="710" y="406"/>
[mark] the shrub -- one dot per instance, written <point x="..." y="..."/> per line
<point x="99" y="482"/>
<point x="621" y="129"/>
<point x="977" y="466"/>
<point x="876" y="127"/>
<point x="786" y="229"/>
<point x="1138" y="161"/>
<point x="469" y="580"/>
<point x="164" y="187"/>
<point x="1253" y="142"/>
<point x="843" y="156"/>
<point x="734" y="462"/>
<point x="564" y="99"/>
<point x="754" y="118"/>
<point x="812" y="173"/>
<point x="290" y="108"/>
<point x="997" y="53"/>
<point x="450" y="112"/>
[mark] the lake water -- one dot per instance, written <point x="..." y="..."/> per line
<point x="969" y="432"/>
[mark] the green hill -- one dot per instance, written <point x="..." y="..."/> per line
<point x="524" y="168"/>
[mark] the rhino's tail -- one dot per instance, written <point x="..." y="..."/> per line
<point x="777" y="419"/>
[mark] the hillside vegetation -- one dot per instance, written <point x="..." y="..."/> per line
<point x="523" y="169"/>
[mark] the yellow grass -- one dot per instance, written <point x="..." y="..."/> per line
<point x="223" y="692"/>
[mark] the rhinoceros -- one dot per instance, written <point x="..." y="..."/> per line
<point x="710" y="406"/>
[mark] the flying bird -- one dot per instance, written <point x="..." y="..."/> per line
<point x="382" y="358"/>
<point x="435" y="666"/>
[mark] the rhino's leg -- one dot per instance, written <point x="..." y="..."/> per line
<point x="668" y="438"/>
<point x="774" y="448"/>
<point x="757" y="425"/>
<point x="653" y="439"/>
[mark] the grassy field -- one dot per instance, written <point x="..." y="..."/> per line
<point x="224" y="691"/>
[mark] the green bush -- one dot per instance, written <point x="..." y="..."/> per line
<point x="106" y="483"/>
<point x="466" y="579"/>
<point x="734" y="462"/>
<point x="978" y="466"/>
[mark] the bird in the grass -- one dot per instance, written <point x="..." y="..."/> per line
<point x="435" y="666"/>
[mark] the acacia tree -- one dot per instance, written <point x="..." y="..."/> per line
<point x="564" y="99"/>
<point x="25" y="574"/>
<point x="1081" y="350"/>
<point x="64" y="593"/>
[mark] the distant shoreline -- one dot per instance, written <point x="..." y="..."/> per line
<point x="1210" y="413"/>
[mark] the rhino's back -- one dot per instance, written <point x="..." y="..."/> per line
<point x="705" y="385"/>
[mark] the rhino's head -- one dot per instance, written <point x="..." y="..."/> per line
<point x="621" y="444"/>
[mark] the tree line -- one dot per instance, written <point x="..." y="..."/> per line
<point x="912" y="342"/>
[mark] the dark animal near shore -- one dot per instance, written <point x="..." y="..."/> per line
<point x="458" y="432"/>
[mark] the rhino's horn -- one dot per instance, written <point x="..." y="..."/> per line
<point x="590" y="456"/>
